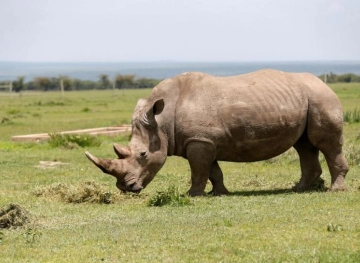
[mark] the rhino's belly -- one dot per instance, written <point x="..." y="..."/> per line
<point x="255" y="150"/>
<point x="260" y="139"/>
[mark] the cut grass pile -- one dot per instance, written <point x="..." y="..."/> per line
<point x="14" y="216"/>
<point x="86" y="192"/>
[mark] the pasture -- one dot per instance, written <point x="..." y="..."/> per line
<point x="261" y="221"/>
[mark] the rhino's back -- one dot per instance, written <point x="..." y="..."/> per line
<point x="247" y="118"/>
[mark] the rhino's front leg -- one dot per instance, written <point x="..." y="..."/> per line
<point x="201" y="157"/>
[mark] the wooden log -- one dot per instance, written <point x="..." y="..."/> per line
<point x="107" y="131"/>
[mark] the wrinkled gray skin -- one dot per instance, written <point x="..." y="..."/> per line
<point x="245" y="118"/>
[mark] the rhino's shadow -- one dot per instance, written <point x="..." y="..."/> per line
<point x="275" y="192"/>
<point x="262" y="192"/>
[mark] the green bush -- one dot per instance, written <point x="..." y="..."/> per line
<point x="86" y="109"/>
<point x="71" y="141"/>
<point x="171" y="197"/>
<point x="6" y="121"/>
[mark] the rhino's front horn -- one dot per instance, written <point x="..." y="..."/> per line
<point x="105" y="165"/>
<point x="94" y="159"/>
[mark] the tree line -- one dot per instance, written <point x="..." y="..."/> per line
<point x="68" y="84"/>
<point x="344" y="78"/>
<point x="123" y="82"/>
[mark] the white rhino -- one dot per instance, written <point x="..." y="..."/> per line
<point x="245" y="118"/>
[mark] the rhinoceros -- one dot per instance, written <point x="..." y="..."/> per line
<point x="245" y="118"/>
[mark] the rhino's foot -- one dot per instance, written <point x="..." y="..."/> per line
<point x="318" y="185"/>
<point x="338" y="188"/>
<point x="217" y="192"/>
<point x="339" y="185"/>
<point x="193" y="193"/>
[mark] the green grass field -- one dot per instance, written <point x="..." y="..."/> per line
<point x="261" y="221"/>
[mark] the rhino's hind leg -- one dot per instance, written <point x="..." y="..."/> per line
<point x="328" y="139"/>
<point x="309" y="163"/>
<point x="217" y="180"/>
<point x="338" y="169"/>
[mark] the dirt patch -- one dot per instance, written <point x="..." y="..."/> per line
<point x="13" y="216"/>
<point x="86" y="192"/>
<point x="48" y="164"/>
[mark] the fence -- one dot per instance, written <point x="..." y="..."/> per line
<point x="6" y="86"/>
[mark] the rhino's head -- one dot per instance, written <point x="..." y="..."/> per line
<point x="138" y="163"/>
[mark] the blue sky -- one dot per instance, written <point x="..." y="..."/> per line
<point x="179" y="30"/>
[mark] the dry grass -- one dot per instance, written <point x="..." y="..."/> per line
<point x="85" y="192"/>
<point x="13" y="216"/>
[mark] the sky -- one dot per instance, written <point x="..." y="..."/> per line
<point x="179" y="30"/>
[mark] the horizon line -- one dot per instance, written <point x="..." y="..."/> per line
<point x="190" y="61"/>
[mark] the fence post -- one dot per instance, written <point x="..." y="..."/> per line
<point x="62" y="86"/>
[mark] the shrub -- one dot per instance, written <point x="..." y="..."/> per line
<point x="171" y="197"/>
<point x="71" y="141"/>
<point x="6" y="121"/>
<point x="86" y="109"/>
<point x="13" y="111"/>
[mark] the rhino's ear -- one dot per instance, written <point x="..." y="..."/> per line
<point x="148" y="119"/>
<point x="121" y="151"/>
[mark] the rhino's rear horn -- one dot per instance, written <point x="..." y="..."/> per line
<point x="121" y="151"/>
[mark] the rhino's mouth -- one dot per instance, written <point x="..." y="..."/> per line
<point x="135" y="187"/>
<point x="130" y="186"/>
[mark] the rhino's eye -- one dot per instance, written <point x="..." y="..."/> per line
<point x="142" y="154"/>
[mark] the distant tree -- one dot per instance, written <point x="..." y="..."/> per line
<point x="143" y="83"/>
<point x="79" y="84"/>
<point x="19" y="85"/>
<point x="43" y="83"/>
<point x="104" y="81"/>
<point x="345" y="78"/>
<point x="332" y="78"/>
<point x="65" y="83"/>
<point x="124" y="81"/>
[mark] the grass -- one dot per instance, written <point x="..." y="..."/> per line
<point x="352" y="115"/>
<point x="79" y="216"/>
